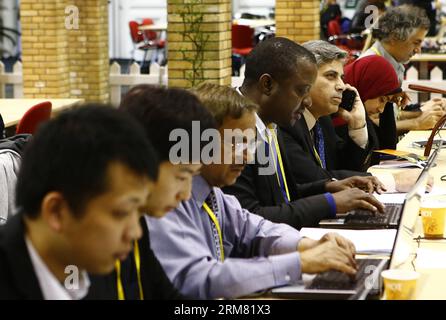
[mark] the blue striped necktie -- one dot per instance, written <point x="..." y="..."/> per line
<point x="211" y="201"/>
<point x="319" y="143"/>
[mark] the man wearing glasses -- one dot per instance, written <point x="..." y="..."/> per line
<point x="210" y="247"/>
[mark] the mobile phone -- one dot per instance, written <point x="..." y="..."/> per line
<point x="348" y="100"/>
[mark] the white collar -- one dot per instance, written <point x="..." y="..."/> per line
<point x="262" y="130"/>
<point x="51" y="288"/>
<point x="309" y="119"/>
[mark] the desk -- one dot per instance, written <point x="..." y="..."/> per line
<point x="12" y="110"/>
<point x="440" y="169"/>
<point x="153" y="27"/>
<point x="255" y="23"/>
<point x="433" y="280"/>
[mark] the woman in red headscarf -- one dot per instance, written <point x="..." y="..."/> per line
<point x="378" y="86"/>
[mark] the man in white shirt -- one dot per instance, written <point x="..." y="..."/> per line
<point x="79" y="190"/>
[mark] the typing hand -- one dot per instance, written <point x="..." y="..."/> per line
<point x="431" y="104"/>
<point x="328" y="256"/>
<point x="355" y="198"/>
<point x="369" y="184"/>
<point x="340" y="241"/>
<point x="308" y="243"/>
<point x="429" y="118"/>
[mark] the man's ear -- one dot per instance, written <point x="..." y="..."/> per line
<point x="266" y="83"/>
<point x="54" y="210"/>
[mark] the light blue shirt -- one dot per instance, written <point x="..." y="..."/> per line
<point x="259" y="254"/>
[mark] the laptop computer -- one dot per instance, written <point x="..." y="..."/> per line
<point x="337" y="285"/>
<point x="365" y="219"/>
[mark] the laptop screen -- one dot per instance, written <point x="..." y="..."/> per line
<point x="404" y="243"/>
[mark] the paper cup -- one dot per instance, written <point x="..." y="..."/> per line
<point x="400" y="284"/>
<point x="433" y="216"/>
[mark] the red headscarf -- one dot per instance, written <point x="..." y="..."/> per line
<point x="373" y="77"/>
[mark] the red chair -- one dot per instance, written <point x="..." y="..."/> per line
<point x="242" y="39"/>
<point x="138" y="39"/>
<point x="35" y="116"/>
<point x="352" y="43"/>
<point x="334" y="28"/>
<point x="137" y="36"/>
<point x="154" y="38"/>
<point x="152" y="35"/>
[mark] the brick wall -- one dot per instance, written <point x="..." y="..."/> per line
<point x="88" y="52"/>
<point x="215" y="28"/>
<point x="298" y="20"/>
<point x="44" y="45"/>
<point x="62" y="62"/>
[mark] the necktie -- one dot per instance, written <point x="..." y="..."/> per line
<point x="319" y="144"/>
<point x="211" y="207"/>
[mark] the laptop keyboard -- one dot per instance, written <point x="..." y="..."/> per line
<point x="390" y="216"/>
<point x="336" y="280"/>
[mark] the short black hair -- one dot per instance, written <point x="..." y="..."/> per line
<point x="161" y="110"/>
<point x="71" y="154"/>
<point x="278" y="57"/>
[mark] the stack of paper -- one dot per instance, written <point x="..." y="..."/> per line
<point x="389" y="164"/>
<point x="366" y="241"/>
<point x="390" y="197"/>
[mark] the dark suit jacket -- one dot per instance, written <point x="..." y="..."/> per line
<point x="261" y="194"/>
<point x="18" y="280"/>
<point x="2" y="128"/>
<point x="343" y="158"/>
<point x="156" y="285"/>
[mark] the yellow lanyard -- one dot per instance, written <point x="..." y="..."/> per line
<point x="217" y="225"/>
<point x="118" y="280"/>
<point x="121" y="295"/>
<point x="376" y="51"/>
<point x="279" y="158"/>
<point x="317" y="157"/>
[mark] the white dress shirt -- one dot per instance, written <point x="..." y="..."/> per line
<point x="51" y="288"/>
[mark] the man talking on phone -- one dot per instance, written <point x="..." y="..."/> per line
<point x="334" y="157"/>
<point x="312" y="141"/>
